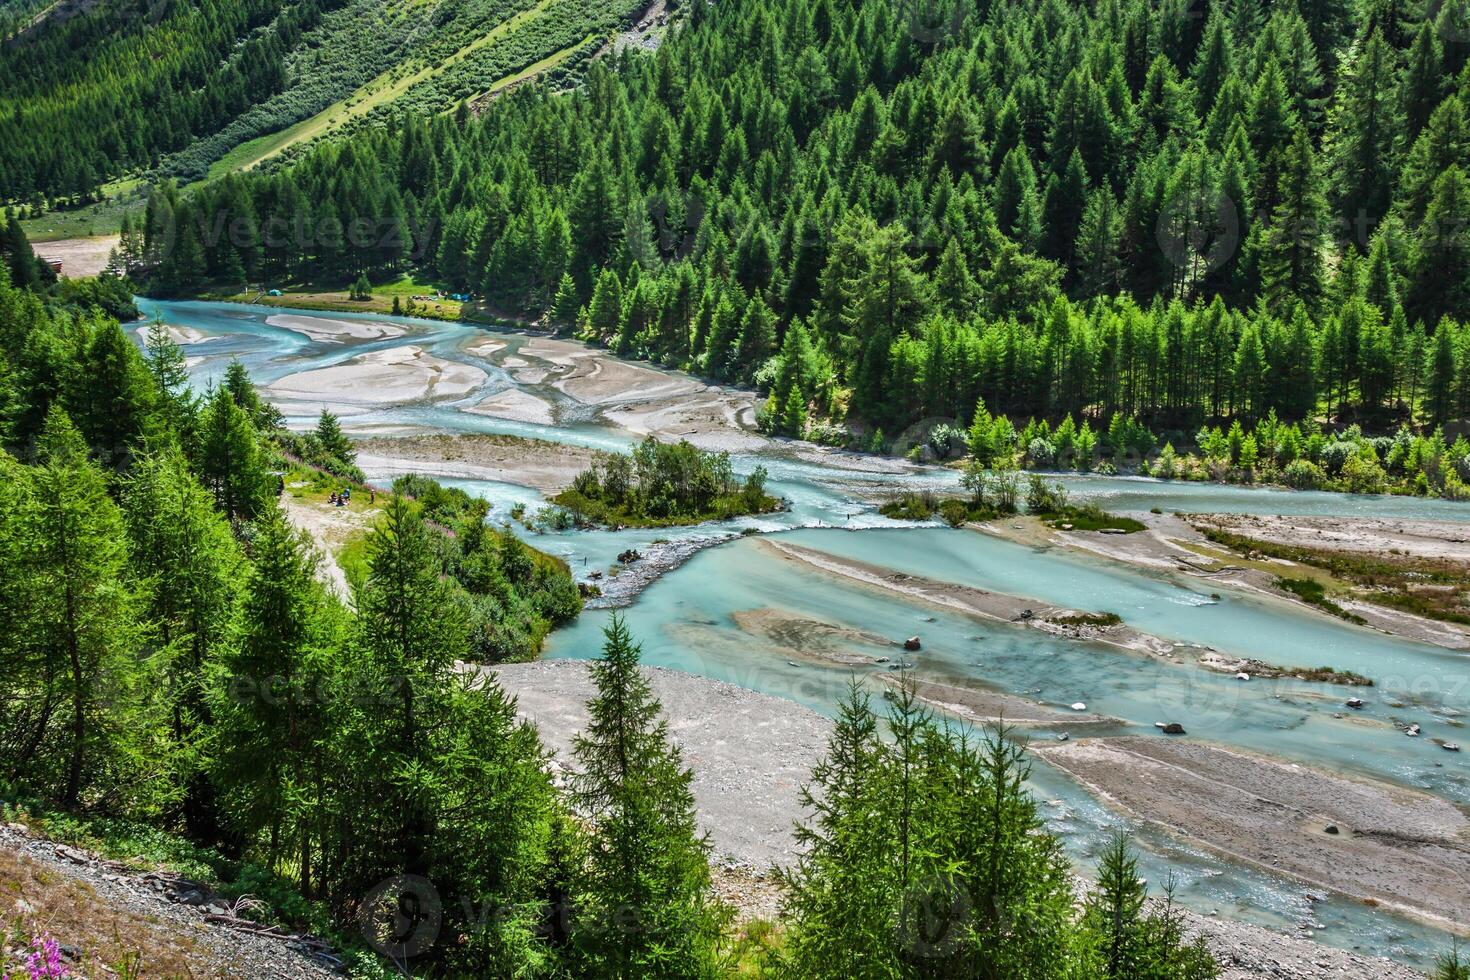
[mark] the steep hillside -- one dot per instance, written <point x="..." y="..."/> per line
<point x="93" y="91"/>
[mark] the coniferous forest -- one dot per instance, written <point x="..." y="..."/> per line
<point x="880" y="213"/>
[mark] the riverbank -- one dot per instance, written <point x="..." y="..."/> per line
<point x="544" y="466"/>
<point x="1179" y="543"/>
<point x="993" y="606"/>
<point x="395" y="376"/>
<point x="1382" y="845"/>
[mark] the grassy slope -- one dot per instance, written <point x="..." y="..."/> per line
<point x="382" y="90"/>
<point x="545" y="64"/>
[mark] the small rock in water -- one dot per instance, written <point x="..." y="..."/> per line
<point x="1064" y="737"/>
<point x="912" y="643"/>
<point x="1412" y="731"/>
<point x="1354" y="703"/>
<point x="1174" y="728"/>
<point x="1242" y="676"/>
<point x="1079" y="706"/>
<point x="881" y="660"/>
<point x="1451" y="747"/>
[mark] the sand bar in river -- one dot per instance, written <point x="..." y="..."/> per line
<point x="329" y="331"/>
<point x="1394" y="847"/>
<point x="396" y="376"/>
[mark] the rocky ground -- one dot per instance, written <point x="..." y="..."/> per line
<point x="105" y="915"/>
<point x="546" y="466"/>
<point x="750" y="752"/>
<point x="1380" y="844"/>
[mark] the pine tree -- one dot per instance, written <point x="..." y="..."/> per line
<point x="794" y="413"/>
<point x="1451" y="965"/>
<point x="1066" y="197"/>
<point x="564" y="307"/>
<point x="1441" y="280"/>
<point x="955" y="289"/>
<point x="1365" y="127"/>
<point x="177" y="402"/>
<point x="412" y="628"/>
<point x="230" y="462"/>
<point x="1439" y="387"/>
<point x="605" y="314"/>
<point x="100" y="731"/>
<point x="1013" y="183"/>
<point x="1291" y="253"/>
<point x="187" y="567"/>
<point x="837" y="894"/>
<point x="757" y="336"/>
<point x="334" y="442"/>
<point x="1133" y="942"/>
<point x="267" y="697"/>
<point x="25" y="268"/>
<point x="1098" y="244"/>
<point x="647" y="907"/>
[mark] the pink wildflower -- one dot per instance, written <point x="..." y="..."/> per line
<point x="44" y="962"/>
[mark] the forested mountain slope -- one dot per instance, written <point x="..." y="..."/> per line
<point x="915" y="207"/>
<point x="172" y="88"/>
<point x="111" y="86"/>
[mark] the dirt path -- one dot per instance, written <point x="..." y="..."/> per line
<point x="330" y="527"/>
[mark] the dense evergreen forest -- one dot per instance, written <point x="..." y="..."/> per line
<point x="115" y="85"/>
<point x="884" y="213"/>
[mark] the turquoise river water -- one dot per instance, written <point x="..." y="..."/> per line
<point x="685" y="619"/>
